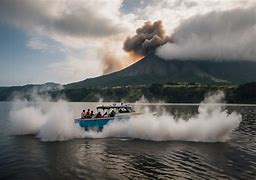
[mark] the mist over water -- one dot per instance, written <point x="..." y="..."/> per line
<point x="211" y="124"/>
<point x="54" y="122"/>
<point x="48" y="121"/>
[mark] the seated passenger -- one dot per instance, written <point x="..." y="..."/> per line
<point x="112" y="114"/>
<point x="83" y="114"/>
<point x="98" y="115"/>
<point x="91" y="115"/>
<point x="87" y="115"/>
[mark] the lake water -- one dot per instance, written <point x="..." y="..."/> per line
<point x="28" y="157"/>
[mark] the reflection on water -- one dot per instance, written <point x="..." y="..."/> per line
<point x="25" y="157"/>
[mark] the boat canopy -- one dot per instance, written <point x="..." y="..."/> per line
<point x="117" y="107"/>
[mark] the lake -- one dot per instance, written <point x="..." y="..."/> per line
<point x="148" y="152"/>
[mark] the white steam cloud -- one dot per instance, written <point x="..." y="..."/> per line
<point x="54" y="122"/>
<point x="211" y="124"/>
<point x="48" y="121"/>
<point x="219" y="35"/>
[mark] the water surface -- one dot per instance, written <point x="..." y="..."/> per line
<point x="26" y="157"/>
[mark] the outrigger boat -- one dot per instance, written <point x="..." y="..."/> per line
<point x="122" y="112"/>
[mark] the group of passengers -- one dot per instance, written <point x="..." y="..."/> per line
<point x="89" y="114"/>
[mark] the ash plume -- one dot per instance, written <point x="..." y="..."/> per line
<point x="147" y="39"/>
<point x="110" y="61"/>
<point x="113" y="61"/>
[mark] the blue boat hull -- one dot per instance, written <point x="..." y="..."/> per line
<point x="98" y="123"/>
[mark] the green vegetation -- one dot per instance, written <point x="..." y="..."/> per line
<point x="167" y="92"/>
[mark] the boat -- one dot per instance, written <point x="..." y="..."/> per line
<point x="122" y="112"/>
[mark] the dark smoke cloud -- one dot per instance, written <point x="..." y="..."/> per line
<point x="147" y="39"/>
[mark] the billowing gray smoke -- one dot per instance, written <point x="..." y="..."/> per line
<point x="223" y="35"/>
<point x="147" y="39"/>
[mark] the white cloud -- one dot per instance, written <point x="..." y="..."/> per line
<point x="37" y="43"/>
<point x="69" y="27"/>
<point x="225" y="35"/>
<point x="86" y="25"/>
<point x="76" y="68"/>
<point x="173" y="12"/>
<point x="76" y="23"/>
<point x="64" y="21"/>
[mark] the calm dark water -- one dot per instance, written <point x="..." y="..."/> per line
<point x="26" y="157"/>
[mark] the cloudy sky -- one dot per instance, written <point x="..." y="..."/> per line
<point x="65" y="41"/>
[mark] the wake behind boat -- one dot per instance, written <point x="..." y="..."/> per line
<point x="110" y="113"/>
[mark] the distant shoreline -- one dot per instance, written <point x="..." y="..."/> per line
<point x="168" y="93"/>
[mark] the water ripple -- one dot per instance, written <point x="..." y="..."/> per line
<point x="117" y="158"/>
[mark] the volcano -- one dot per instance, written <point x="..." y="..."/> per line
<point x="153" y="69"/>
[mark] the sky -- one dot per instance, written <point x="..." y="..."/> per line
<point x="66" y="41"/>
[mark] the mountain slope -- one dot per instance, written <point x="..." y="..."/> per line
<point x="153" y="69"/>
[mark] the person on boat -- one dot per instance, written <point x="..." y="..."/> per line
<point x="98" y="115"/>
<point x="87" y="115"/>
<point x="91" y="115"/>
<point x="112" y="113"/>
<point x="83" y="114"/>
